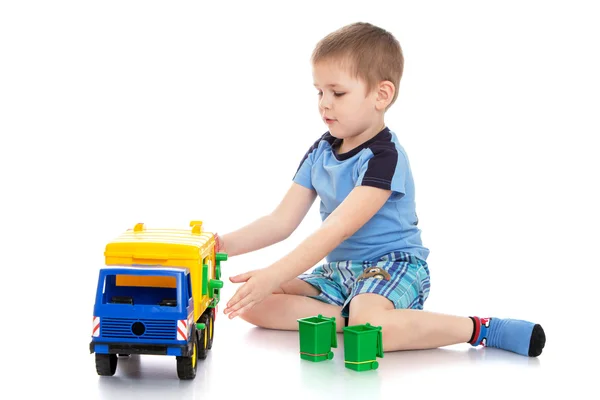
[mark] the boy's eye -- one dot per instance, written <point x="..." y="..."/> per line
<point x="336" y="94"/>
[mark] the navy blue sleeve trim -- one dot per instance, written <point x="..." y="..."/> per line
<point x="326" y="136"/>
<point x="310" y="150"/>
<point x="381" y="168"/>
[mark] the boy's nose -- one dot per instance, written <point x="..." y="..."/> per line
<point x="325" y="103"/>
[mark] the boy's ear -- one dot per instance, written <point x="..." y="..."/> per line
<point x="385" y="94"/>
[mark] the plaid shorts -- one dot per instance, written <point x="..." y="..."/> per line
<point x="400" y="277"/>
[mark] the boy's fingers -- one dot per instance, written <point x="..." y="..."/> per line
<point x="241" y="277"/>
<point x="237" y="297"/>
<point x="240" y="305"/>
<point x="232" y="305"/>
<point x="242" y="310"/>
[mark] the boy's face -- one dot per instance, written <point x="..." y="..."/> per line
<point x="344" y="104"/>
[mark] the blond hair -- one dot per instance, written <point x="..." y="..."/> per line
<point x="370" y="52"/>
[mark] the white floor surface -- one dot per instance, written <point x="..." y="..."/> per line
<point x="247" y="363"/>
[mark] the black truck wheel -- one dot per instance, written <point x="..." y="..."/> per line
<point x="106" y="364"/>
<point x="211" y="327"/>
<point x="188" y="365"/>
<point x="203" y="338"/>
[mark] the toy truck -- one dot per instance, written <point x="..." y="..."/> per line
<point x="158" y="294"/>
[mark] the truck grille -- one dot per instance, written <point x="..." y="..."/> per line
<point x="132" y="328"/>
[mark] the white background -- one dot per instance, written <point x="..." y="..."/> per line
<point x="118" y="112"/>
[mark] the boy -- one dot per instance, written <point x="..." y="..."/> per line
<point x="376" y="269"/>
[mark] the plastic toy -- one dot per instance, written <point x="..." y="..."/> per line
<point x="362" y="345"/>
<point x="157" y="294"/>
<point x="317" y="337"/>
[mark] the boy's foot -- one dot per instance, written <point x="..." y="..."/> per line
<point x="521" y="337"/>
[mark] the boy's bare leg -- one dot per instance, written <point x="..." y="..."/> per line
<point x="282" y="309"/>
<point x="418" y="329"/>
<point x="409" y="329"/>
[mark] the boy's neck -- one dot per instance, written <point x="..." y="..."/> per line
<point x="351" y="143"/>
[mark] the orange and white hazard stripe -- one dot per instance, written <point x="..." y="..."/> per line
<point x="96" y="327"/>
<point x="182" y="329"/>
<point x="184" y="326"/>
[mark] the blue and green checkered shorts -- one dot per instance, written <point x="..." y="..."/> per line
<point x="400" y="277"/>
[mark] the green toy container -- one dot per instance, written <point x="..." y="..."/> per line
<point x="362" y="345"/>
<point x="317" y="337"/>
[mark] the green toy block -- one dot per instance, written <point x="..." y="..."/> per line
<point x="362" y="345"/>
<point x="317" y="336"/>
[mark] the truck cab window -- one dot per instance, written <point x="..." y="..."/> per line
<point x="141" y="290"/>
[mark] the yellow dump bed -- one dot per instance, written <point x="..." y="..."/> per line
<point x="165" y="247"/>
<point x="192" y="249"/>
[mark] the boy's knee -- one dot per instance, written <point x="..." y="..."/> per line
<point x="378" y="311"/>
<point x="366" y="317"/>
<point x="253" y="317"/>
<point x="369" y="308"/>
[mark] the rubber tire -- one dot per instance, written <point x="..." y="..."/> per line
<point x="186" y="368"/>
<point x="211" y="319"/>
<point x="106" y="364"/>
<point x="202" y="351"/>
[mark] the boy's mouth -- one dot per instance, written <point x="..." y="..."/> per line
<point x="328" y="121"/>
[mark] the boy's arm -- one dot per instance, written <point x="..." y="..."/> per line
<point x="360" y="206"/>
<point x="272" y="228"/>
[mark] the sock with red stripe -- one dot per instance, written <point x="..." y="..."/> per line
<point x="521" y="337"/>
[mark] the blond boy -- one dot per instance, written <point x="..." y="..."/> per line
<point x="376" y="269"/>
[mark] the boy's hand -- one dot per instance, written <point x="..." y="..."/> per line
<point x="219" y="245"/>
<point x="259" y="284"/>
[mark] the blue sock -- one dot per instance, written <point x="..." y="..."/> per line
<point x="521" y="337"/>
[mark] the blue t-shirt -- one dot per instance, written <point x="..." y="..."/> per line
<point x="380" y="162"/>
